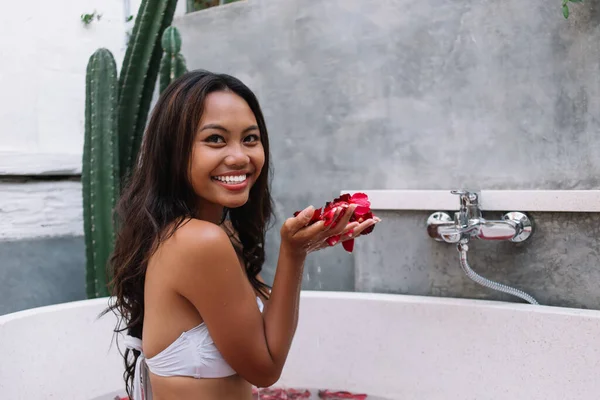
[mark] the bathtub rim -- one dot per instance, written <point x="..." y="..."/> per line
<point x="346" y="295"/>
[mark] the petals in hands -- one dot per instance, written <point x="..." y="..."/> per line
<point x="335" y="210"/>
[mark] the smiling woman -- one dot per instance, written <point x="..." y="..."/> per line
<point x="200" y="321"/>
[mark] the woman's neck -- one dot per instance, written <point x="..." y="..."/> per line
<point x="210" y="212"/>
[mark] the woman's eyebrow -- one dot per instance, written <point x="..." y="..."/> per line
<point x="222" y="128"/>
<point x="251" y="128"/>
<point x="214" y="126"/>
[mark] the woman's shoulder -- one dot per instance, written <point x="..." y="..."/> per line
<point x="199" y="253"/>
<point x="195" y="249"/>
<point x="191" y="242"/>
<point x="195" y="235"/>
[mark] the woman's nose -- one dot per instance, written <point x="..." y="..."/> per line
<point x="237" y="156"/>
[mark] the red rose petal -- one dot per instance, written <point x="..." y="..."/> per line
<point x="360" y="198"/>
<point x="275" y="393"/>
<point x="343" y="207"/>
<point x="332" y="240"/>
<point x="326" y="394"/>
<point x="272" y="393"/>
<point x="348" y="245"/>
<point x="315" y="217"/>
<point x="359" y="195"/>
<point x="367" y="215"/>
<point x="343" y="198"/>
<point x="328" y="217"/>
<point x="360" y="212"/>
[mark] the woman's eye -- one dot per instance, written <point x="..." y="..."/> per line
<point x="215" y="139"/>
<point x="252" y="138"/>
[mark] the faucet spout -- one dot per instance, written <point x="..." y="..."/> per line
<point x="498" y="230"/>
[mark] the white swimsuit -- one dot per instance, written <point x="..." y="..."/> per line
<point x="192" y="354"/>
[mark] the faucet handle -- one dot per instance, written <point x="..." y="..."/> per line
<point x="467" y="198"/>
<point x="469" y="207"/>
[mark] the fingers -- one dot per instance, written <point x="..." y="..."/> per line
<point x="335" y="228"/>
<point x="356" y="231"/>
<point x="301" y="220"/>
<point x="319" y="228"/>
<point x="330" y="219"/>
<point x="351" y="231"/>
<point x="338" y="226"/>
<point x="346" y="217"/>
<point x="321" y="242"/>
<point x="314" y="230"/>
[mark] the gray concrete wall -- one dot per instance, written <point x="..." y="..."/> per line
<point x="38" y="272"/>
<point x="432" y="94"/>
<point x="558" y="265"/>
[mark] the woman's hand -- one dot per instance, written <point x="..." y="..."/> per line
<point x="302" y="239"/>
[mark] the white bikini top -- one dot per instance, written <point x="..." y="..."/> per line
<point x="192" y="354"/>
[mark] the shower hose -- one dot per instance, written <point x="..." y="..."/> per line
<point x="462" y="250"/>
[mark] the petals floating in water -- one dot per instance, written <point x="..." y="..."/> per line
<point x="326" y="394"/>
<point x="280" y="394"/>
<point x="297" y="394"/>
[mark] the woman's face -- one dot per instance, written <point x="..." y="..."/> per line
<point x="227" y="156"/>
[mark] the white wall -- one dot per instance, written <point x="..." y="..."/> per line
<point x="44" y="52"/>
<point x="40" y="209"/>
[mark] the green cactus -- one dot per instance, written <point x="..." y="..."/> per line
<point x="172" y="64"/>
<point x="116" y="111"/>
<point x="138" y="76"/>
<point x="100" y="168"/>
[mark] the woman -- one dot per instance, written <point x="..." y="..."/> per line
<point x="187" y="259"/>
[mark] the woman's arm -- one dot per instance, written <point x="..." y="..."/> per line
<point x="206" y="271"/>
<point x="281" y="313"/>
<point x="208" y="274"/>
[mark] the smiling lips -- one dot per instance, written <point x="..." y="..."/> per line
<point x="233" y="181"/>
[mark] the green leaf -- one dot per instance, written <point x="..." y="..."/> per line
<point x="576" y="1"/>
<point x="565" y="10"/>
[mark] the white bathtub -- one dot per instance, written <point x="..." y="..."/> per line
<point x="393" y="346"/>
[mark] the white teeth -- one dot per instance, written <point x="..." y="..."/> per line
<point x="231" y="179"/>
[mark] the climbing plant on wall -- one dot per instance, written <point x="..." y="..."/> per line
<point x="565" y="6"/>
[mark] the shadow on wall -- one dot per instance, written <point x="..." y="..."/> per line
<point x="39" y="272"/>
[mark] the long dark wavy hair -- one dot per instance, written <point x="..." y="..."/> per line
<point x="159" y="197"/>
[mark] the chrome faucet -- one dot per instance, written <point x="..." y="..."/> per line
<point x="468" y="223"/>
